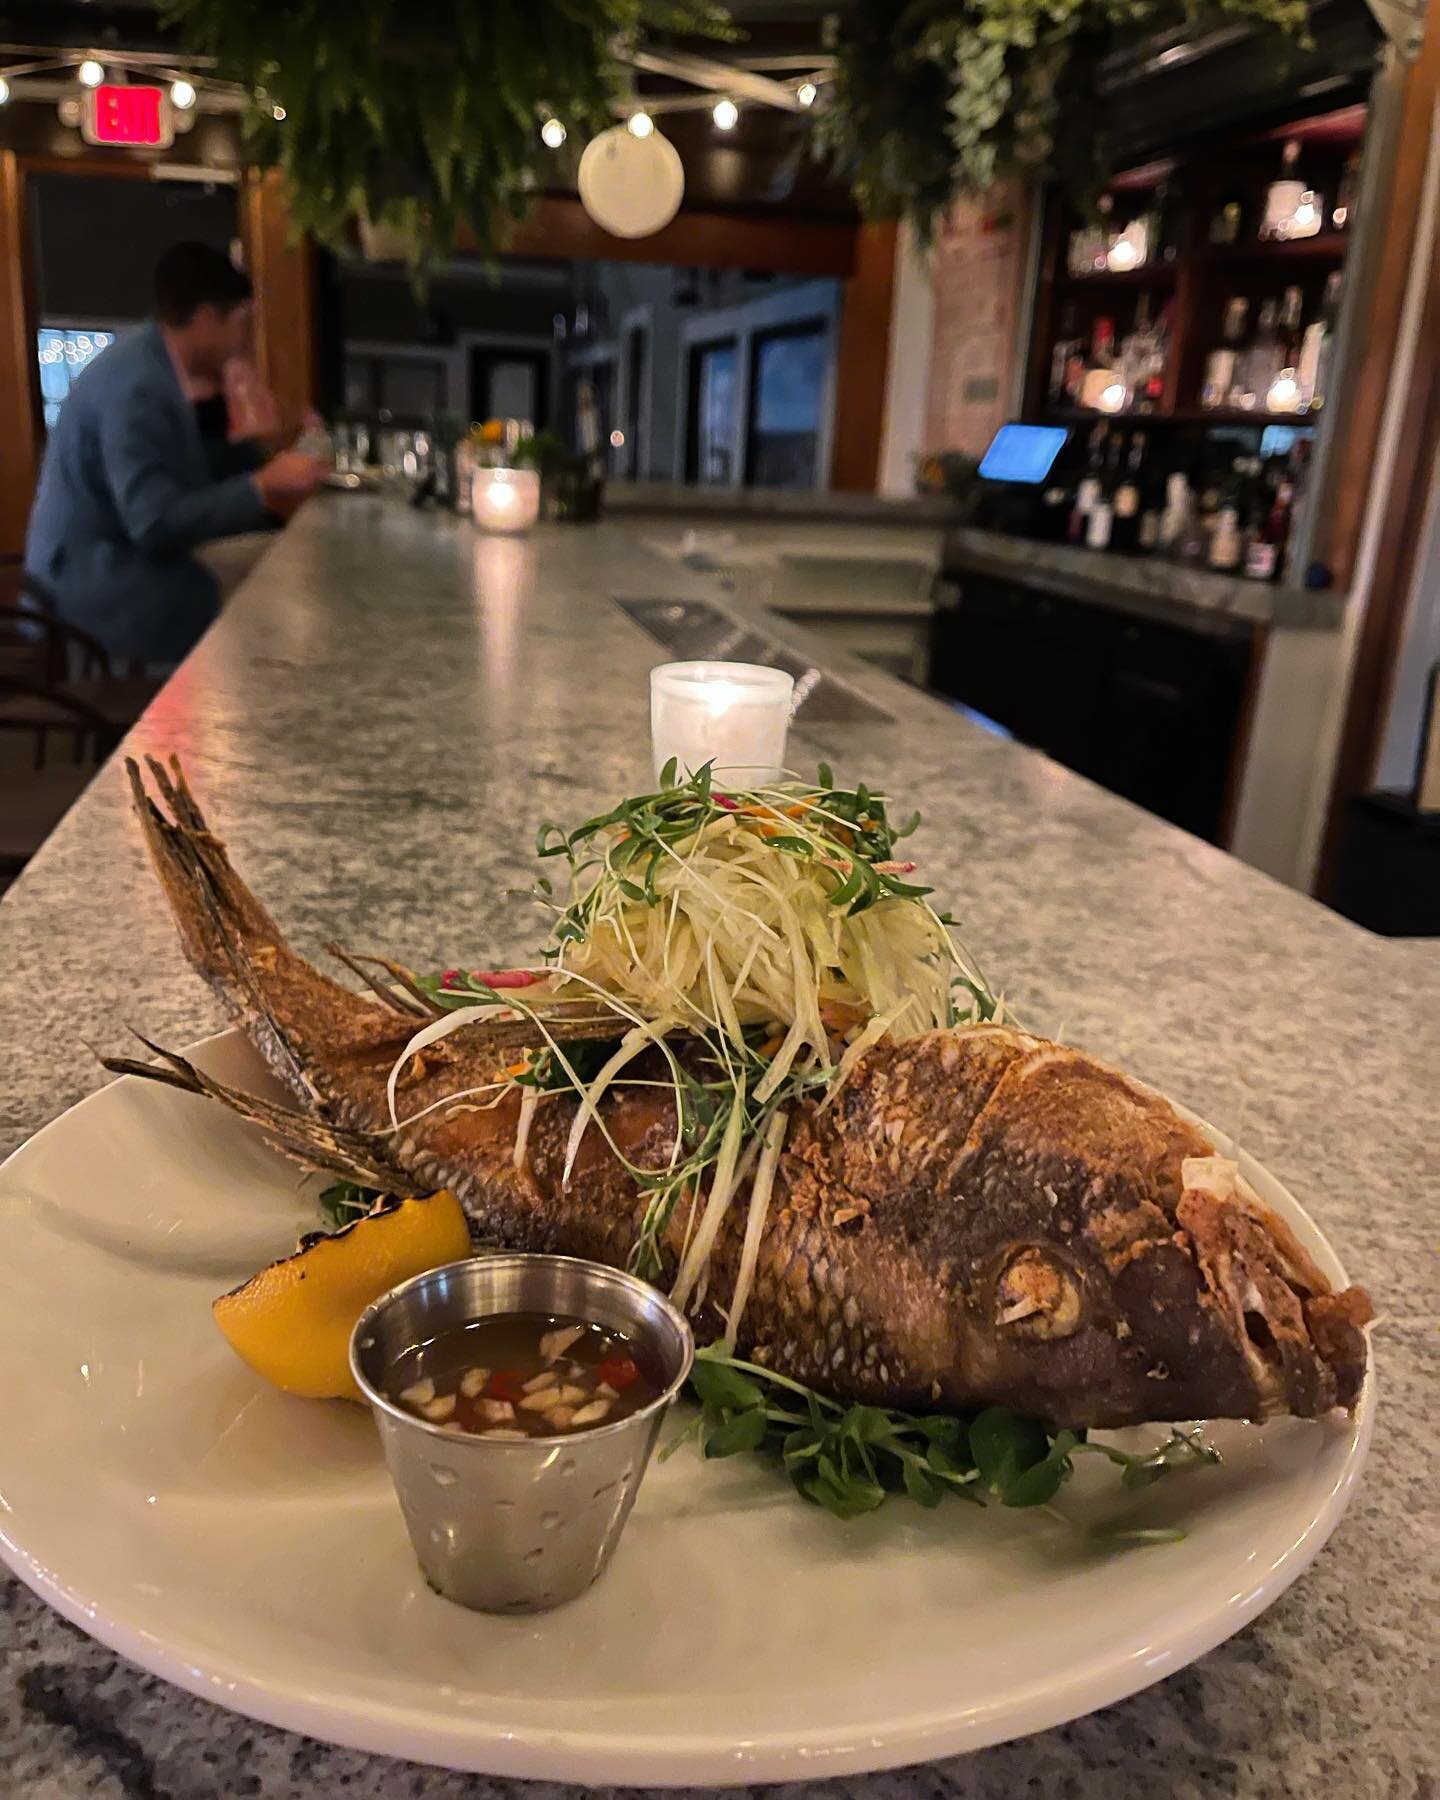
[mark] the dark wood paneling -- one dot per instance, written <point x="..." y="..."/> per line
<point x="693" y="240"/>
<point x="862" y="361"/>
<point x="19" y="378"/>
<point x="283" y="271"/>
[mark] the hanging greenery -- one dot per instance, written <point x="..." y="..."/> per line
<point x="424" y="117"/>
<point x="934" y="99"/>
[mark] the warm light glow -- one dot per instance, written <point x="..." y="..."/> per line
<point x="182" y="94"/>
<point x="1306" y="220"/>
<point x="1284" y="392"/>
<point x="640" y="124"/>
<point x="500" y="494"/>
<point x="617" y="439"/>
<point x="90" y="73"/>
<point x="1112" y="398"/>
<point x="806" y="93"/>
<point x="552" y="134"/>
<point x="719" y="697"/>
<point x="1122" y="255"/>
<point x="4" y="90"/>
<point x="277" y="113"/>
<point x="725" y="115"/>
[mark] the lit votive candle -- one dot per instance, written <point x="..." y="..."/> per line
<point x="734" y="715"/>
<point x="505" y="499"/>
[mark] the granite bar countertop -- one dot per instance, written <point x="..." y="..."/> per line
<point x="1149" y="586"/>
<point x="377" y="721"/>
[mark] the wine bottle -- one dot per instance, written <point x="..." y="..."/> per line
<point x="1087" y="493"/>
<point x="1260" y="364"/>
<point x="1100" y="523"/>
<point x="1221" y="364"/>
<point x="1317" y="349"/>
<point x="1283" y="197"/>
<point x="1226" y="545"/>
<point x="1125" y="520"/>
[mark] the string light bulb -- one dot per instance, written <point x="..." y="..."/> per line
<point x="552" y="134"/>
<point x="4" y="90"/>
<point x="807" y="93"/>
<point x="640" y="124"/>
<point x="277" y="113"/>
<point x="90" y="73"/>
<point x="182" y="94"/>
<point x="725" y="115"/>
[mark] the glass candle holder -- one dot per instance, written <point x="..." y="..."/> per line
<point x="505" y="500"/>
<point x="733" y="715"/>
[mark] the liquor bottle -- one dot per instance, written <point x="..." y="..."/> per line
<point x="1284" y="200"/>
<point x="1101" y="520"/>
<point x="1283" y="395"/>
<point x="1260" y="364"/>
<point x="1087" y="493"/>
<point x="1221" y="366"/>
<point x="1125" y="509"/>
<point x="1230" y="219"/>
<point x="1067" y="362"/>
<point x="1265" y="552"/>
<point x="1178" y="518"/>
<point x="1317" y="349"/>
<point x="1342" y="215"/>
<point x="1138" y="349"/>
<point x="1226" y="544"/>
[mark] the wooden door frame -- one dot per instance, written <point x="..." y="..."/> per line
<point x="1396" y="516"/>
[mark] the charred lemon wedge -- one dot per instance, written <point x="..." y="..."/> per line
<point x="292" y="1322"/>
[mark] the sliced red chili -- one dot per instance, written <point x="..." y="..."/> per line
<point x="506" y="1384"/>
<point x="619" y="1372"/>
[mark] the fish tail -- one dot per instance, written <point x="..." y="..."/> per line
<point x="315" y="1143"/>
<point x="297" y="1017"/>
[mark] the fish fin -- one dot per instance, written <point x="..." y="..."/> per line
<point x="298" y="1018"/>
<point x="312" y="1142"/>
<point x="411" y="1000"/>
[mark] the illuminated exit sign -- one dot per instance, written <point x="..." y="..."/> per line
<point x="116" y="114"/>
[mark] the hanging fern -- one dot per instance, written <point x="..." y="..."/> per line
<point x="933" y="99"/>
<point x="423" y="117"/>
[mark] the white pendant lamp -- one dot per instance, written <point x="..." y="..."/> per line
<point x="631" y="185"/>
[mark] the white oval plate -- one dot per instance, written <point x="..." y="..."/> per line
<point x="247" y="1546"/>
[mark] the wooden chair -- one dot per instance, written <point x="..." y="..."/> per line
<point x="32" y="806"/>
<point x="61" y="680"/>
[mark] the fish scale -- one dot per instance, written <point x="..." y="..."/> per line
<point x="981" y="1217"/>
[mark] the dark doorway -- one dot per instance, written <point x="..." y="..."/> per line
<point x="786" y="397"/>
<point x="714" y="397"/>
<point x="510" y="384"/>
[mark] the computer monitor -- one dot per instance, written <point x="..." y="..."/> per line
<point x="1023" y="453"/>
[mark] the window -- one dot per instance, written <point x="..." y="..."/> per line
<point x="710" y="454"/>
<point x="786" y="399"/>
<point x="63" y="351"/>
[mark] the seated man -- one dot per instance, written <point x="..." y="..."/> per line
<point x="129" y="488"/>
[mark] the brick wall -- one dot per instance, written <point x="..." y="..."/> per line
<point x="978" y="274"/>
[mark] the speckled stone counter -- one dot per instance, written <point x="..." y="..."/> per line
<point x="1148" y="585"/>
<point x="379" y="720"/>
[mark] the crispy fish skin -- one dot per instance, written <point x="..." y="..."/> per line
<point x="981" y="1217"/>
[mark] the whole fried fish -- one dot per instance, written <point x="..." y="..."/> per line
<point x="980" y="1218"/>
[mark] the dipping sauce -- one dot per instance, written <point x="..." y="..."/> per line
<point x="524" y="1375"/>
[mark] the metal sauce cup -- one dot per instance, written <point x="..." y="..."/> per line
<point x="503" y="1525"/>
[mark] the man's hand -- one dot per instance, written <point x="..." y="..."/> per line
<point x="284" y="481"/>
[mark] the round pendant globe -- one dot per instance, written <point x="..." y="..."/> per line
<point x="631" y="186"/>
